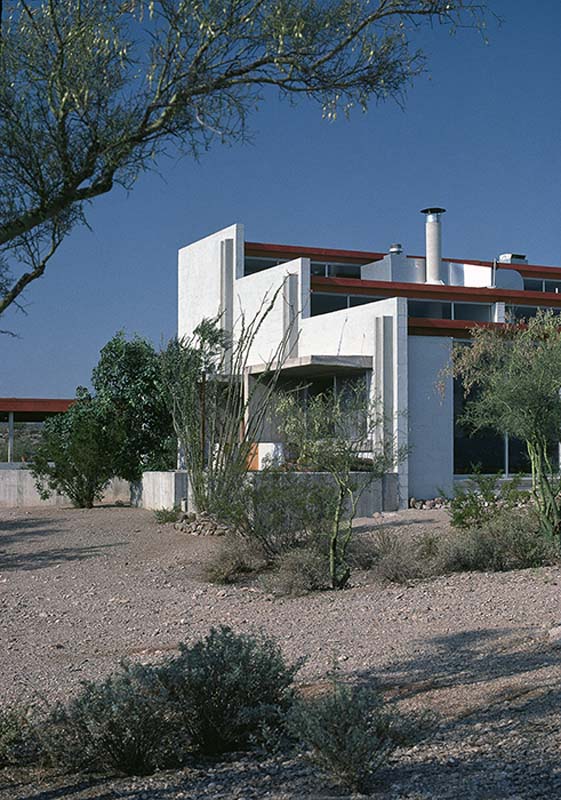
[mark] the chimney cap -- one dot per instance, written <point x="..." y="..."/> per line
<point x="396" y="248"/>
<point x="433" y="211"/>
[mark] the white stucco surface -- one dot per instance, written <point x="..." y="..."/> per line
<point x="200" y="277"/>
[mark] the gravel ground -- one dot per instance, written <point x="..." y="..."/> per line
<point x="80" y="589"/>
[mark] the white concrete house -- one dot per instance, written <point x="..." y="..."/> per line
<point x="388" y="316"/>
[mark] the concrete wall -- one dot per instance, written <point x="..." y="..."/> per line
<point x="378" y="330"/>
<point x="162" y="489"/>
<point x="17" y="490"/>
<point x="206" y="271"/>
<point x="287" y="289"/>
<point x="431" y="418"/>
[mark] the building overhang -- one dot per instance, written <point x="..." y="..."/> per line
<point x="307" y="366"/>
<point x="32" y="409"/>
<point x="427" y="291"/>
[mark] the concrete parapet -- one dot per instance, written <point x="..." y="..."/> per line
<point x="163" y="489"/>
<point x="18" y="490"/>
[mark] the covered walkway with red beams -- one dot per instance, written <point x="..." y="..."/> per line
<point x="28" y="409"/>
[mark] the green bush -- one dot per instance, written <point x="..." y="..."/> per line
<point x="227" y="687"/>
<point x="17" y="738"/>
<point x="508" y="540"/>
<point x="279" y="510"/>
<point x="74" y="456"/>
<point x="165" y="515"/>
<point x="123" y="724"/>
<point x="349" y="732"/>
<point x="484" y="496"/>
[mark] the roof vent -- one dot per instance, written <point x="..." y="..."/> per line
<point x="433" y="237"/>
<point x="512" y="258"/>
<point x="396" y="248"/>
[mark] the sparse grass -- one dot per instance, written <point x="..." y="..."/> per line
<point x="165" y="515"/>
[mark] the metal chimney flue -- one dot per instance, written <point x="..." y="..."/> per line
<point x="433" y="234"/>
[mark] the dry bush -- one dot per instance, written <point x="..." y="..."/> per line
<point x="235" y="558"/>
<point x="299" y="571"/>
<point x="510" y="539"/>
<point x="396" y="559"/>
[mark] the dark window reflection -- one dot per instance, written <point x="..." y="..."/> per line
<point x="426" y="309"/>
<point x="477" y="312"/>
<point x="483" y="450"/>
<point x="325" y="303"/>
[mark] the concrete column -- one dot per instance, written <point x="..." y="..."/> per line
<point x="10" y="436"/>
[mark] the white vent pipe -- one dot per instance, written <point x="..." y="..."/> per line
<point x="433" y="234"/>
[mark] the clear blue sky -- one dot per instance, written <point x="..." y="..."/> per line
<point x="480" y="135"/>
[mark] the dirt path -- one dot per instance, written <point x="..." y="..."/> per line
<point x="81" y="589"/>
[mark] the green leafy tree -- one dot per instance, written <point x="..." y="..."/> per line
<point x="335" y="433"/>
<point x="512" y="382"/>
<point x="128" y="386"/>
<point x="74" y="456"/>
<point x="92" y="92"/>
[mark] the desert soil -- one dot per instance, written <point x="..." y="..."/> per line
<point x="81" y="589"/>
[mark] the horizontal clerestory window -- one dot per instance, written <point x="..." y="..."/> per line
<point x="325" y="269"/>
<point x="542" y="285"/>
<point x="430" y="309"/>
<point x="252" y="264"/>
<point x="325" y="302"/>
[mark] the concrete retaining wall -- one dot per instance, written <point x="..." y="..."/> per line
<point x="380" y="495"/>
<point x="167" y="489"/>
<point x="162" y="489"/>
<point x="17" y="490"/>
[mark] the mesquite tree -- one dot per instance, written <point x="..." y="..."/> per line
<point x="92" y="91"/>
<point x="512" y="382"/>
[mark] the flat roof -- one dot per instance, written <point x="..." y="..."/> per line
<point x="33" y="409"/>
<point x="367" y="256"/>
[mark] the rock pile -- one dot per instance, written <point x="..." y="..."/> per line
<point x="437" y="502"/>
<point x="202" y="524"/>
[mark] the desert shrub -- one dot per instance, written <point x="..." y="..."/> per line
<point x="306" y="568"/>
<point x="507" y="540"/>
<point x="484" y="497"/>
<point x="350" y="733"/>
<point x="235" y="558"/>
<point x="299" y="571"/>
<point x="18" y="742"/>
<point x="227" y="687"/>
<point x="124" y="723"/>
<point x="165" y="515"/>
<point x="397" y="560"/>
<point x="363" y="551"/>
<point x="279" y="509"/>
